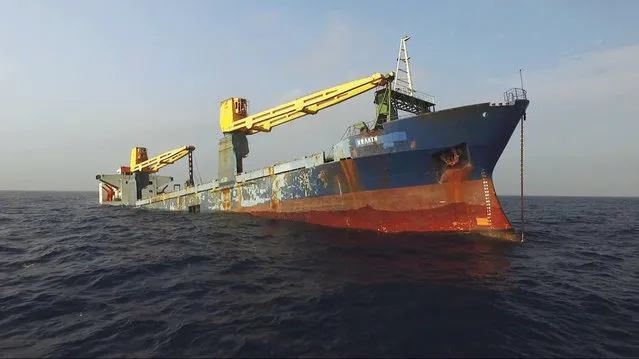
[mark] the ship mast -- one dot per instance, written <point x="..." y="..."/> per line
<point x="401" y="95"/>
<point x="403" y="80"/>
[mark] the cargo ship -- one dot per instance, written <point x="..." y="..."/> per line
<point x="428" y="172"/>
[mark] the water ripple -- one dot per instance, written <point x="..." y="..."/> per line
<point x="81" y="281"/>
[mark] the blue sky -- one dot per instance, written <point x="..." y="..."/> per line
<point x="81" y="82"/>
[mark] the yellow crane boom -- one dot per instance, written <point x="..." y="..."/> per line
<point x="141" y="162"/>
<point x="233" y="111"/>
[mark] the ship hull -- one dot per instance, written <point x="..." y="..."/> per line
<point x="430" y="173"/>
<point x="441" y="208"/>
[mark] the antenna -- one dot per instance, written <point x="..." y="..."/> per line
<point x="403" y="81"/>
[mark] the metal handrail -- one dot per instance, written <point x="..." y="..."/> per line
<point x="515" y="94"/>
<point x="414" y="93"/>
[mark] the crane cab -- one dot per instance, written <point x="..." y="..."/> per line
<point x="138" y="155"/>
<point x="232" y="110"/>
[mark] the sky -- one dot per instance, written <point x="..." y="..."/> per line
<point x="82" y="82"/>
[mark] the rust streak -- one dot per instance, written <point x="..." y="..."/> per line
<point x="238" y="189"/>
<point x="456" y="174"/>
<point x="275" y="202"/>
<point x="322" y="176"/>
<point x="226" y="199"/>
<point x="350" y="173"/>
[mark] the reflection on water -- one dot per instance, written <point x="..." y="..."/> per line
<point x="87" y="281"/>
<point x="374" y="258"/>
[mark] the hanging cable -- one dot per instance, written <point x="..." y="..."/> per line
<point x="521" y="175"/>
<point x="521" y="162"/>
<point x="197" y="170"/>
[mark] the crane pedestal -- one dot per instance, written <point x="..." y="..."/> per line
<point x="233" y="149"/>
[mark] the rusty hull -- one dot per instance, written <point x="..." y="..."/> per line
<point x="427" y="173"/>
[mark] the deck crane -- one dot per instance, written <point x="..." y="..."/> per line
<point x="236" y="124"/>
<point x="234" y="116"/>
<point x="141" y="163"/>
<point x="140" y="180"/>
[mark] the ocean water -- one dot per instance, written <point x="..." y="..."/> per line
<point x="79" y="281"/>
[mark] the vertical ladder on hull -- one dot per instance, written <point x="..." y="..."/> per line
<point x="403" y="81"/>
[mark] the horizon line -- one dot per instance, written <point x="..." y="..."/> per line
<point x="498" y="195"/>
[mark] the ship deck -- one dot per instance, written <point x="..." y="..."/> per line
<point x="278" y="168"/>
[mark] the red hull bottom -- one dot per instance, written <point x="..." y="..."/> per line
<point x="459" y="207"/>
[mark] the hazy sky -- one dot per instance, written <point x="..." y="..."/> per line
<point x="82" y="82"/>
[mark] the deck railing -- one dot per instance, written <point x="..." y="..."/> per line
<point x="514" y="94"/>
<point x="414" y="93"/>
